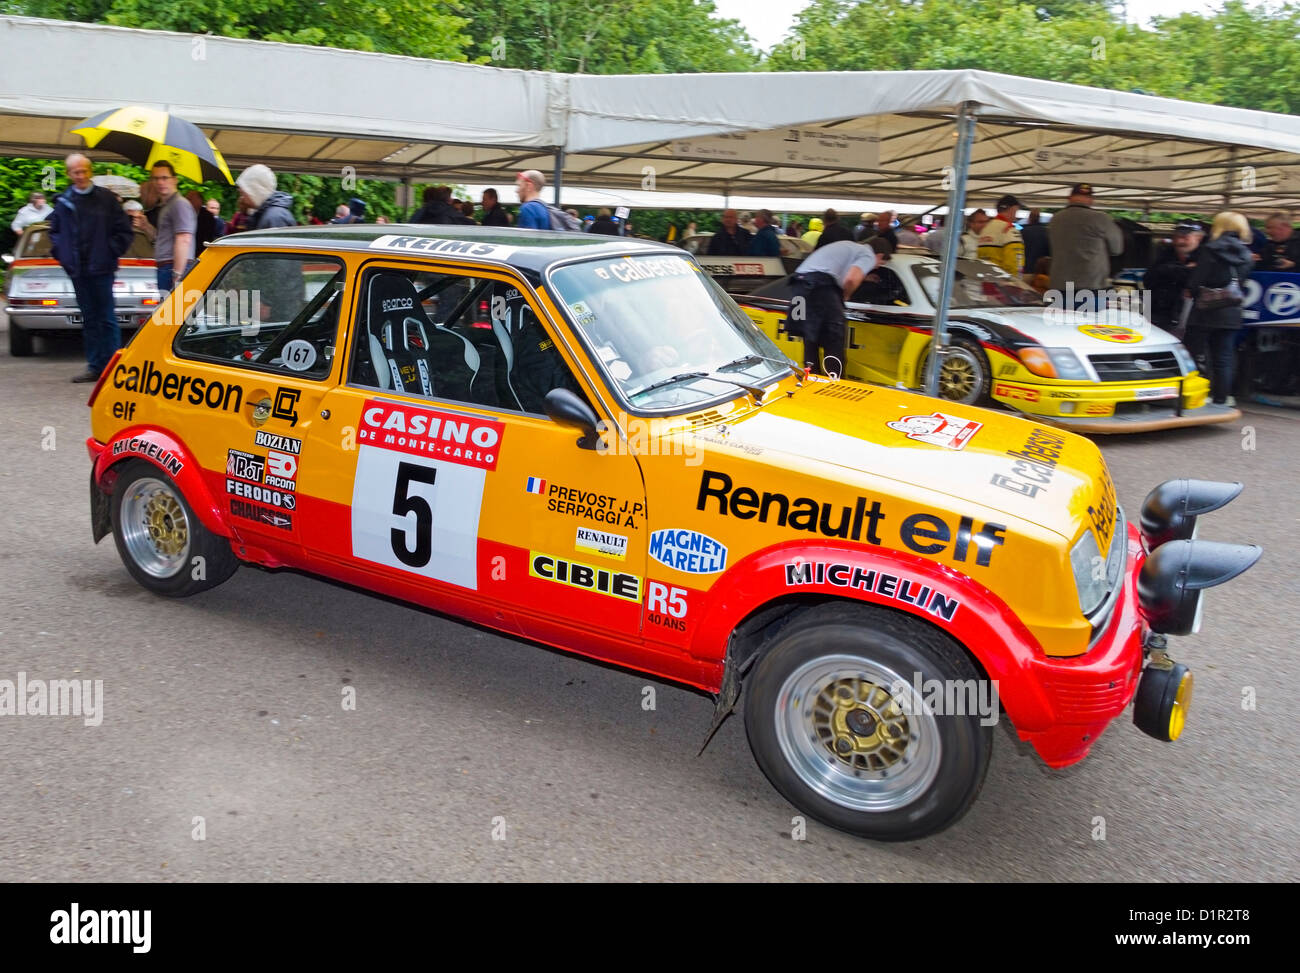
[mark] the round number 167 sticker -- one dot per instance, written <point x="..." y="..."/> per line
<point x="298" y="355"/>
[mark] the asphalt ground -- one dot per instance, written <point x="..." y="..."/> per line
<point x="474" y="756"/>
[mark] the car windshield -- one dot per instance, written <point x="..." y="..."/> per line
<point x="665" y="333"/>
<point x="978" y="284"/>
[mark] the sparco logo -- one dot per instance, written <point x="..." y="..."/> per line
<point x="397" y="304"/>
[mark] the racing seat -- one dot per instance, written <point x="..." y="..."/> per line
<point x="502" y="327"/>
<point x="407" y="353"/>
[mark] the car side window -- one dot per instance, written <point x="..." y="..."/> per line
<point x="881" y="286"/>
<point x="277" y="312"/>
<point x="454" y="336"/>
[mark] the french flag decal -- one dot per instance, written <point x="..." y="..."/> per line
<point x="536" y="485"/>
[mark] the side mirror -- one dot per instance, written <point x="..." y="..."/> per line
<point x="569" y="409"/>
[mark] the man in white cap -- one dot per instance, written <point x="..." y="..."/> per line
<point x="257" y="192"/>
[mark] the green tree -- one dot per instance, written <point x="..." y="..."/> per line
<point x="615" y="37"/>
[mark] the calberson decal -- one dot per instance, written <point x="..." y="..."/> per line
<point x="147" y="379"/>
<point x="890" y="585"/>
<point x="924" y="533"/>
<point x="1035" y="464"/>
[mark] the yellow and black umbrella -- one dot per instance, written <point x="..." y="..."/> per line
<point x="147" y="135"/>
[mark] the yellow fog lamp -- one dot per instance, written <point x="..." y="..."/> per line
<point x="1163" y="698"/>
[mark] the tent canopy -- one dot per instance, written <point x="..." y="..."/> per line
<point x="849" y="135"/>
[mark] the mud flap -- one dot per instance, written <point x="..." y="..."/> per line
<point x="101" y="520"/>
<point x="728" y="693"/>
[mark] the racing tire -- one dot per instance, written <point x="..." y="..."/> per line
<point x="20" y="341"/>
<point x="834" y="721"/>
<point x="160" y="540"/>
<point x="964" y="374"/>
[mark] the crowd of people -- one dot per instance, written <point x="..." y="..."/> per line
<point x="1068" y="253"/>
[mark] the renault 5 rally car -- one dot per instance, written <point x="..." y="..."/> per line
<point x="40" y="299"/>
<point x="582" y="441"/>
<point x="1104" y="372"/>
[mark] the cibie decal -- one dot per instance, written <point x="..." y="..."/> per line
<point x="616" y="584"/>
<point x="535" y="484"/>
<point x="165" y="457"/>
<point x="1111" y="332"/>
<point x="688" y="551"/>
<point x="938" y="429"/>
<point x="589" y="541"/>
<point x="467" y="440"/>
<point x="909" y="590"/>
<point x="420" y="244"/>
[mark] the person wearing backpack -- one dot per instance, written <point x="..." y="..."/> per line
<point x="1215" y="287"/>
<point x="533" y="213"/>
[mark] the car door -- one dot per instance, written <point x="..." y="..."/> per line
<point x="255" y="355"/>
<point x="452" y="486"/>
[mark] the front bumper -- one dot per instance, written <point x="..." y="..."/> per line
<point x="1085" y="693"/>
<point x="1112" y="406"/>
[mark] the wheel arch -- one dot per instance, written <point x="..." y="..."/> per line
<point x="755" y="600"/>
<point x="170" y="456"/>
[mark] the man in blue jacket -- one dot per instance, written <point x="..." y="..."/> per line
<point x="89" y="230"/>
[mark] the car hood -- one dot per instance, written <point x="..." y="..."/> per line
<point x="1109" y="332"/>
<point x="858" y="433"/>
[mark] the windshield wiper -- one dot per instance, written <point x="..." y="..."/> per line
<point x="753" y="390"/>
<point x="749" y="359"/>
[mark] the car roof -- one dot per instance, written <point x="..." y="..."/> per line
<point x="527" y="250"/>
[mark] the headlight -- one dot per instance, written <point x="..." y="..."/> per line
<point x="1185" y="360"/>
<point x="1089" y="572"/>
<point x="1052" y="362"/>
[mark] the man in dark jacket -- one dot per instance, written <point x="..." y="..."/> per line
<point x="732" y="239"/>
<point x="604" y="223"/>
<point x="257" y="192"/>
<point x="1037" y="243"/>
<point x="1281" y="247"/>
<point x="438" y="209"/>
<point x="494" y="213"/>
<point x="89" y="230"/>
<point x="1212" y="331"/>
<point x="832" y="230"/>
<point x="1166" y="278"/>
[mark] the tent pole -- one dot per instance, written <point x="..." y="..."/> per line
<point x="559" y="173"/>
<point x="952" y="241"/>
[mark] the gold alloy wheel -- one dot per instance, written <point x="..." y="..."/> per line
<point x="861" y="724"/>
<point x="155" y="527"/>
<point x="957" y="378"/>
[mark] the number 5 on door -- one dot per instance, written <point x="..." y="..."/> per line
<point x="418" y="515"/>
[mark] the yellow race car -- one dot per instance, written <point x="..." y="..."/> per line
<point x="1103" y="372"/>
<point x="582" y="441"/>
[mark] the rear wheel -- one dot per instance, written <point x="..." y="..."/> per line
<point x="20" y="340"/>
<point x="964" y="374"/>
<point x="837" y="723"/>
<point x="160" y="540"/>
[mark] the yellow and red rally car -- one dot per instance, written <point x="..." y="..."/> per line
<point x="584" y="442"/>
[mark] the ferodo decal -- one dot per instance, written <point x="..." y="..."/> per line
<point x="260" y="494"/>
<point x="575" y="574"/>
<point x="468" y="440"/>
<point x="1111" y="332"/>
<point x="938" y="429"/>
<point x="148" y="379"/>
<point x="688" y="551"/>
<point x="417" y="244"/>
<point x="590" y="505"/>
<point x="590" y="541"/>
<point x="918" y="593"/>
<point x="924" y="533"/>
<point x="1035" y="464"/>
<point x="1015" y="392"/>
<point x="168" y="460"/>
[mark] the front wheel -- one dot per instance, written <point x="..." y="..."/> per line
<point x="160" y="540"/>
<point x="839" y="717"/>
<point x="964" y="374"/>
